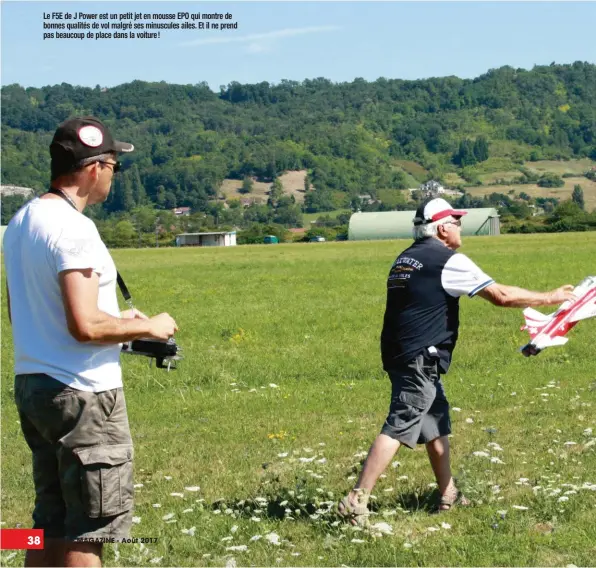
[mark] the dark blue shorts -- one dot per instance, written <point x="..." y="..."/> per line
<point x="419" y="410"/>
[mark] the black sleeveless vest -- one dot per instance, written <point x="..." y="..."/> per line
<point x="419" y="312"/>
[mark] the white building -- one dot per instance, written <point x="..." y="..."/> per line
<point x="214" y="239"/>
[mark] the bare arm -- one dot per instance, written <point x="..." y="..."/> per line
<point x="87" y="323"/>
<point x="513" y="297"/>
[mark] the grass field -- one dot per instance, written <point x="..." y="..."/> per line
<point x="281" y="393"/>
<point x="292" y="182"/>
<point x="562" y="193"/>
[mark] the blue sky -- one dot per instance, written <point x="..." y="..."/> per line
<point x="298" y="40"/>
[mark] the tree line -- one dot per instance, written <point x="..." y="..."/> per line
<point x="350" y="137"/>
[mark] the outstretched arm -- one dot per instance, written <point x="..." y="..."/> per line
<point x="513" y="297"/>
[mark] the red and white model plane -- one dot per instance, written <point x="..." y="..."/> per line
<point x="548" y="330"/>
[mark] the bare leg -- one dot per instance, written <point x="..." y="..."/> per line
<point x="51" y="555"/>
<point x="379" y="456"/>
<point x="83" y="554"/>
<point x="438" y="453"/>
<point x="354" y="506"/>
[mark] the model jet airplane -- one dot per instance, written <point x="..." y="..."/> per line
<point x="548" y="330"/>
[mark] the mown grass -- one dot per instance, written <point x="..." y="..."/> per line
<point x="281" y="393"/>
<point x="534" y="190"/>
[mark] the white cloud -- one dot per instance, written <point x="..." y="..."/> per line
<point x="260" y="42"/>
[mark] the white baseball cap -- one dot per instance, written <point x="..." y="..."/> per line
<point x="435" y="210"/>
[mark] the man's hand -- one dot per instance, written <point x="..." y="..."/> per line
<point x="133" y="314"/>
<point x="162" y="326"/>
<point x="562" y="294"/>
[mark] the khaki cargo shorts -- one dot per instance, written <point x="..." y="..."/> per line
<point x="419" y="410"/>
<point x="82" y="458"/>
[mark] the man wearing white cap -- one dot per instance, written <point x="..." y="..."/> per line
<point x="419" y="335"/>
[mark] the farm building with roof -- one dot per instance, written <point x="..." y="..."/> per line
<point x="398" y="224"/>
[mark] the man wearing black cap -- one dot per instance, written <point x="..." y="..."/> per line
<point x="67" y="331"/>
<point x="419" y="334"/>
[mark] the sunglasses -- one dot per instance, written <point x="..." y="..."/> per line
<point x="115" y="165"/>
<point x="456" y="223"/>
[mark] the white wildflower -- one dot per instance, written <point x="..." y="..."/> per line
<point x="481" y="454"/>
<point x="239" y="548"/>
<point x="384" y="528"/>
<point x="273" y="538"/>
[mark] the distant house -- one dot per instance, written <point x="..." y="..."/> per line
<point x="367" y="199"/>
<point x="433" y="187"/>
<point x="211" y="239"/>
<point x="248" y="201"/>
<point x="181" y="211"/>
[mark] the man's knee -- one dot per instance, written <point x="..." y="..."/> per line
<point x="82" y="553"/>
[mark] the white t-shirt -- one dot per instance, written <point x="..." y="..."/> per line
<point x="45" y="237"/>
<point x="461" y="276"/>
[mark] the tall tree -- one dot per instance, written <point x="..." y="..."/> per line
<point x="247" y="185"/>
<point x="578" y="196"/>
<point x="138" y="189"/>
<point x="276" y="191"/>
<point x="481" y="149"/>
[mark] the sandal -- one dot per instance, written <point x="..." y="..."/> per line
<point x="355" y="513"/>
<point x="447" y="502"/>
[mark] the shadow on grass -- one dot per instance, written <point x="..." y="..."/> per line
<point x="305" y="508"/>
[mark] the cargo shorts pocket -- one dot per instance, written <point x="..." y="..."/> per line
<point x="106" y="479"/>
<point x="413" y="400"/>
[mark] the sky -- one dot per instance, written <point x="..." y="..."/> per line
<point x="279" y="40"/>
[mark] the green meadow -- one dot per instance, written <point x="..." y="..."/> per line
<point x="242" y="452"/>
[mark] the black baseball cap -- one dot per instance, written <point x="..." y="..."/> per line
<point x="79" y="138"/>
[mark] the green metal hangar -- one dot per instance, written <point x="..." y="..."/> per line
<point x="398" y="224"/>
